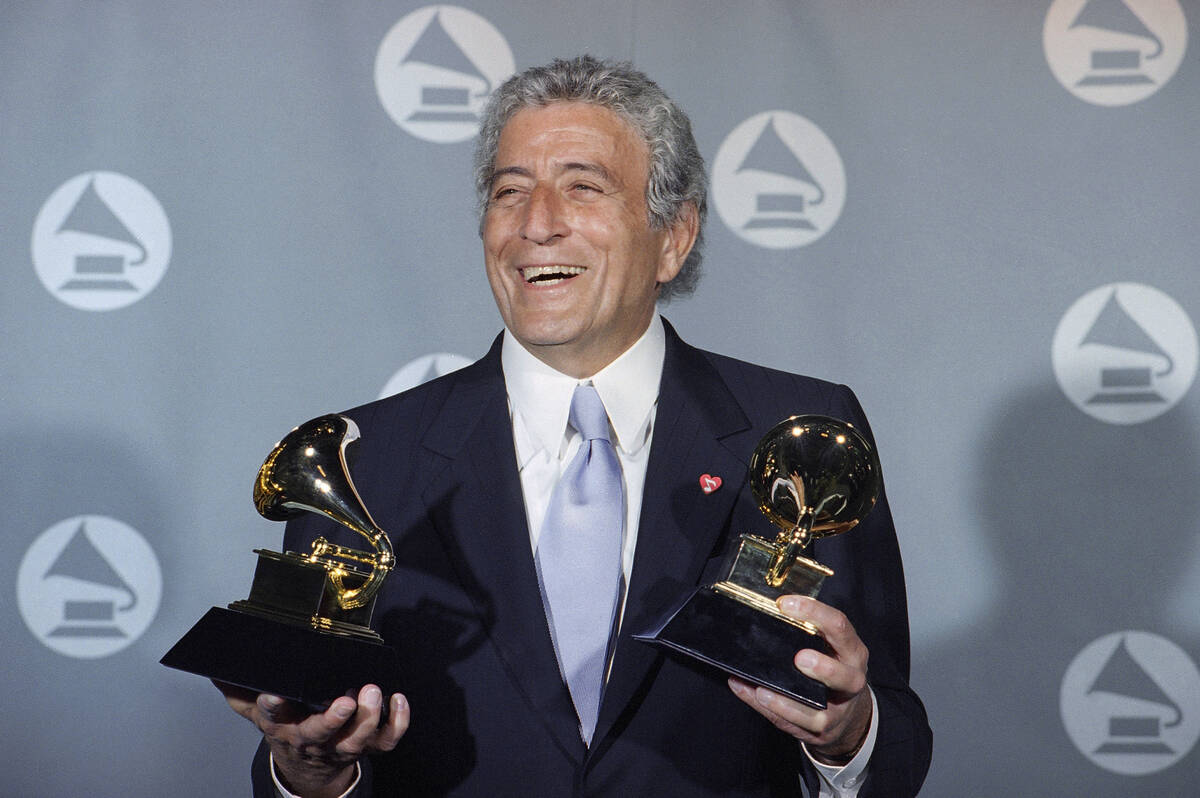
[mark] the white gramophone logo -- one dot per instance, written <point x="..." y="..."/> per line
<point x="1130" y="702"/>
<point x="1125" y="353"/>
<point x="436" y="68"/>
<point x="423" y="369"/>
<point x="89" y="586"/>
<point x="101" y="241"/>
<point x="1114" y="52"/>
<point x="778" y="181"/>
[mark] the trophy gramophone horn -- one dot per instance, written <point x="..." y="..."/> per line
<point x="307" y="472"/>
<point x="812" y="476"/>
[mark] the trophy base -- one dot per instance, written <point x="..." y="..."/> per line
<point x="753" y="645"/>
<point x="307" y="666"/>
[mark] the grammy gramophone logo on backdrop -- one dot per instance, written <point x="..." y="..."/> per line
<point x="101" y="242"/>
<point x="778" y="181"/>
<point x="89" y="586"/>
<point x="436" y="68"/>
<point x="421" y="370"/>
<point x="1130" y="702"/>
<point x="1125" y="353"/>
<point x="1114" y="52"/>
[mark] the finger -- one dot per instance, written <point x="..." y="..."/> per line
<point x="275" y="710"/>
<point x="303" y="729"/>
<point x="361" y="728"/>
<point x="778" y="706"/>
<point x="789" y="716"/>
<point x="842" y="679"/>
<point x="835" y="627"/>
<point x="832" y="622"/>
<point x="399" y="714"/>
<point x="240" y="699"/>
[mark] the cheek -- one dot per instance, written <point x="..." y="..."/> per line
<point x="494" y="274"/>
<point x="493" y="258"/>
<point x="495" y="229"/>
<point x="491" y="244"/>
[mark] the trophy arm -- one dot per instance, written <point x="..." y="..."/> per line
<point x="381" y="563"/>
<point x="789" y="545"/>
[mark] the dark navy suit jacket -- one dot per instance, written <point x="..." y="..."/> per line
<point x="491" y="716"/>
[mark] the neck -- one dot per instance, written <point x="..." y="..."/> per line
<point x="580" y="361"/>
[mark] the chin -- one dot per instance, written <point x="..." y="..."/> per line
<point x="545" y="333"/>
<point x="544" y="340"/>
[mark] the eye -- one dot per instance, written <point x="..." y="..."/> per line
<point x="504" y="192"/>
<point x="585" y="187"/>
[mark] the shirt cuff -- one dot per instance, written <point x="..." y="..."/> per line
<point x="843" y="781"/>
<point x="282" y="792"/>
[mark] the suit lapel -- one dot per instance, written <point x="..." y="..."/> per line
<point x="476" y="505"/>
<point x="699" y="428"/>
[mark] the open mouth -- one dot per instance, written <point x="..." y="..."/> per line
<point x="550" y="275"/>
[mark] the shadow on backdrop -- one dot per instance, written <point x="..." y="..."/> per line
<point x="1092" y="527"/>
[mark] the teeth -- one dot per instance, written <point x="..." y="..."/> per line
<point x="550" y="275"/>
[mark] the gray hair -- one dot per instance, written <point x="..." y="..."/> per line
<point x="677" y="173"/>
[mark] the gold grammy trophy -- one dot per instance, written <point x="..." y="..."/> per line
<point x="813" y="477"/>
<point x="304" y="631"/>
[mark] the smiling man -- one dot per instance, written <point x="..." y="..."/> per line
<point x="546" y="502"/>
<point x="573" y="260"/>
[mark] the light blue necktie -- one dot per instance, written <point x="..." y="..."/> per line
<point x="579" y="557"/>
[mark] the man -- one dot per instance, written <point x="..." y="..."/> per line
<point x="592" y="194"/>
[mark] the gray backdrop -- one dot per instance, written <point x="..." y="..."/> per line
<point x="220" y="219"/>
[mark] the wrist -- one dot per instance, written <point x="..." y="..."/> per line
<point x="837" y="759"/>
<point x="307" y="779"/>
<point x="840" y="753"/>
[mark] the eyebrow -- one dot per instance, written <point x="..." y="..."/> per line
<point x="592" y="168"/>
<point x="571" y="166"/>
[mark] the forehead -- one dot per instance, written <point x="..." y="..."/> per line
<point x="567" y="130"/>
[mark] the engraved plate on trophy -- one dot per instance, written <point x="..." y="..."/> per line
<point x="304" y="631"/>
<point x="812" y="477"/>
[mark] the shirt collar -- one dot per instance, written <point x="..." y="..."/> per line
<point x="541" y="396"/>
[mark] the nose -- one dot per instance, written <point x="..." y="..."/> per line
<point x="544" y="220"/>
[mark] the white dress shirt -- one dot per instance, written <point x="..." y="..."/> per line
<point x="539" y="400"/>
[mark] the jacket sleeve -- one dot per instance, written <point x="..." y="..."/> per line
<point x="868" y="585"/>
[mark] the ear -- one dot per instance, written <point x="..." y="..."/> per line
<point x="678" y="240"/>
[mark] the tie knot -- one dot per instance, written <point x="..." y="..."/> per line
<point x="588" y="414"/>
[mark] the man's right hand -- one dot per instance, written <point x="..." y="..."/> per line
<point x="315" y="753"/>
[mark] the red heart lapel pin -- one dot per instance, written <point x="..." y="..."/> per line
<point x="709" y="483"/>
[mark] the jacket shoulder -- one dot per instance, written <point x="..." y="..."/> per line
<point x="771" y="394"/>
<point x="416" y="409"/>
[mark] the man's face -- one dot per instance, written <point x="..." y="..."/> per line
<point x="571" y="257"/>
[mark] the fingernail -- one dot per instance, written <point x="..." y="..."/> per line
<point x="763" y="696"/>
<point x="398" y="703"/>
<point x="270" y="702"/>
<point x="373" y="698"/>
<point x="342" y="711"/>
<point x="806" y="659"/>
<point x="790" y="604"/>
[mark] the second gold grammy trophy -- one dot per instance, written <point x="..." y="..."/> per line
<point x="812" y="477"/>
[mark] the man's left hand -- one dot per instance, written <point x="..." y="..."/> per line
<point x="834" y="734"/>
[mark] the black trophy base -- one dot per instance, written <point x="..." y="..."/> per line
<point x="267" y="656"/>
<point x="741" y="640"/>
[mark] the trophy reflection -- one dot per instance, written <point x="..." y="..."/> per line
<point x="304" y="631"/>
<point x="813" y="477"/>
